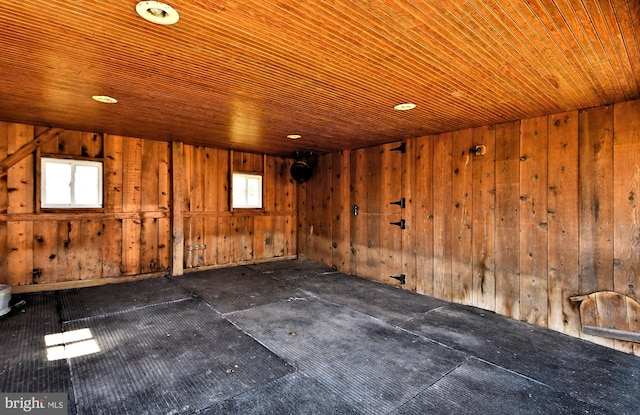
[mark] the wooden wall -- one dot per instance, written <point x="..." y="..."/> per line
<point x="132" y="234"/>
<point x="218" y="235"/>
<point x="550" y="211"/>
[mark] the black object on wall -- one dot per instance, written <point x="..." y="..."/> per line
<point x="302" y="168"/>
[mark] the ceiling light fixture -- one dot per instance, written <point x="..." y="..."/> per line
<point x="104" y="99"/>
<point x="405" y="106"/>
<point x="157" y="12"/>
<point x="294" y="136"/>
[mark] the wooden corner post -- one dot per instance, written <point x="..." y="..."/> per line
<point x="177" y="208"/>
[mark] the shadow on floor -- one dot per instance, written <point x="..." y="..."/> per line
<point x="295" y="337"/>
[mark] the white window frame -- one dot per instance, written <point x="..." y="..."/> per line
<point x="73" y="163"/>
<point x="236" y="204"/>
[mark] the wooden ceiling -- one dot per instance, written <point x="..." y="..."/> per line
<point x="242" y="74"/>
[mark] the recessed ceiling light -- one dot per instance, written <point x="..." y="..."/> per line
<point x="405" y="107"/>
<point x="294" y="136"/>
<point x="104" y="99"/>
<point x="157" y="12"/>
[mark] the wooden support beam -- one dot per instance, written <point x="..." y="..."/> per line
<point x="27" y="149"/>
<point x="177" y="207"/>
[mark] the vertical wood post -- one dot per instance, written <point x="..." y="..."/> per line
<point x="177" y="209"/>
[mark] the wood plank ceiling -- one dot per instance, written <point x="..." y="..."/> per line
<point x="243" y="74"/>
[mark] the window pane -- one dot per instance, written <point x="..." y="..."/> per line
<point x="86" y="186"/>
<point x="239" y="191"/>
<point x="254" y="192"/>
<point x="247" y="191"/>
<point x="58" y="184"/>
<point x="67" y="183"/>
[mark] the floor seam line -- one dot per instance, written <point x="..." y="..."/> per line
<point x="462" y="363"/>
<point x="124" y="311"/>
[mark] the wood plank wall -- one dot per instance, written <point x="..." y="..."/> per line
<point x="550" y="211"/>
<point x="217" y="235"/>
<point x="132" y="235"/>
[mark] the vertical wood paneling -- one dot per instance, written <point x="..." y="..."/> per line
<point x="4" y="140"/>
<point x="390" y="251"/>
<point x="150" y="176"/>
<point x="194" y="164"/>
<point x="359" y="222"/>
<point x="178" y="191"/>
<point x="20" y="181"/>
<point x="164" y="243"/>
<point x="131" y="246"/>
<point x="269" y="237"/>
<point x="291" y="247"/>
<point x="596" y="199"/>
<point x="626" y="214"/>
<point x="422" y="195"/>
<point x="290" y="185"/>
<point x="279" y="236"/>
<point x="371" y="265"/>
<point x="190" y="257"/>
<point x="634" y="325"/>
<point x="225" y="240"/>
<point x="4" y="274"/>
<point x="68" y="143"/>
<point x="131" y="174"/>
<point x="247" y="238"/>
<point x="563" y="221"/>
<point x="461" y="217"/>
<point x="303" y="223"/>
<point x="336" y="209"/>
<point x="164" y="179"/>
<point x="235" y="241"/>
<point x="269" y="184"/>
<point x="90" y="252"/>
<point x="210" y="172"/>
<point x="113" y="171"/>
<point x="259" y="239"/>
<point x="69" y="251"/>
<point x="321" y="204"/>
<point x="222" y="179"/>
<point x="626" y="211"/>
<point x="196" y="238"/>
<point x="149" y="245"/>
<point x="4" y="143"/>
<point x="112" y="249"/>
<point x="149" y="186"/>
<point x="45" y="252"/>
<point x="92" y="145"/>
<point x="533" y="221"/>
<point x="66" y="251"/>
<point x="442" y="220"/>
<point x="507" y="237"/>
<point x="483" y="244"/>
<point x="74" y="143"/>
<point x="211" y="240"/>
<point x="407" y="167"/>
<point x="247" y="162"/>
<point x="312" y="201"/>
<point x="240" y="235"/>
<point x="19" y="256"/>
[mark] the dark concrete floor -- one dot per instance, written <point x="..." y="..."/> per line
<point x="295" y="337"/>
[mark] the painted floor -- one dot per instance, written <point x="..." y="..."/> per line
<point x="296" y="337"/>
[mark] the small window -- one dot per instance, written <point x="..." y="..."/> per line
<point x="247" y="191"/>
<point x="70" y="183"/>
